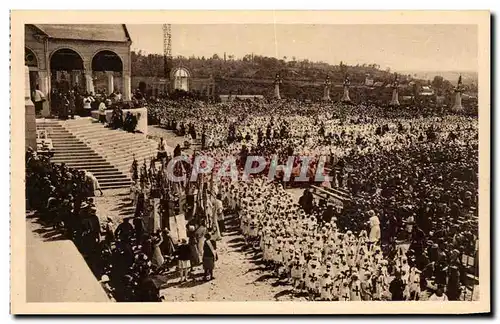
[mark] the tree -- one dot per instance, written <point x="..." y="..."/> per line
<point x="437" y="82"/>
<point x="215" y="57"/>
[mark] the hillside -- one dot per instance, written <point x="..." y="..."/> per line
<point x="259" y="67"/>
<point x="468" y="77"/>
<point x="254" y="75"/>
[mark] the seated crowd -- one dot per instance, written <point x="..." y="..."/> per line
<point x="417" y="176"/>
<point x="407" y="232"/>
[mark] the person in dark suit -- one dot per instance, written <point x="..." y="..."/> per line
<point x="209" y="257"/>
<point x="397" y="287"/>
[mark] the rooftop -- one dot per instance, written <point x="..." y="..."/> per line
<point x="90" y="32"/>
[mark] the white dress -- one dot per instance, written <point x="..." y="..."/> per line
<point x="374" y="229"/>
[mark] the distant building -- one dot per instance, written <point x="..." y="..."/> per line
<point x="426" y="91"/>
<point x="225" y="98"/>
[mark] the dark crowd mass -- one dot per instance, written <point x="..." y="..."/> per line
<point x="411" y="173"/>
<point x="406" y="230"/>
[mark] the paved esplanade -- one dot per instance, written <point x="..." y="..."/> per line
<point x="56" y="271"/>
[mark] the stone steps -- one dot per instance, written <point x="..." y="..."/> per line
<point x="117" y="146"/>
<point x="74" y="153"/>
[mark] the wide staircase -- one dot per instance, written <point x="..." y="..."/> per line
<point x="74" y="153"/>
<point x="116" y="146"/>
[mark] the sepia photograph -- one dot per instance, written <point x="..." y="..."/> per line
<point x="192" y="162"/>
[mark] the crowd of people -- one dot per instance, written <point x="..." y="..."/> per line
<point x="123" y="257"/>
<point x="326" y="262"/>
<point x="413" y="171"/>
<point x="404" y="234"/>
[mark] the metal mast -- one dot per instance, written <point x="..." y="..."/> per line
<point x="167" y="50"/>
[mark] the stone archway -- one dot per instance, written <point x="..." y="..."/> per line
<point x="66" y="68"/>
<point x="181" y="77"/>
<point x="107" y="71"/>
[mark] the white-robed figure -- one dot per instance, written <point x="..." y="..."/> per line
<point x="383" y="267"/>
<point x="232" y="197"/>
<point x="329" y="250"/>
<point x="366" y="286"/>
<point x="345" y="292"/>
<point x="377" y="255"/>
<point x="268" y="243"/>
<point x="134" y="193"/>
<point x="363" y="237"/>
<point x="351" y="256"/>
<point x="362" y="257"/>
<point x="311" y="223"/>
<point x="355" y="288"/>
<point x="405" y="270"/>
<point x="349" y="238"/>
<point x="381" y="285"/>
<point x="288" y="253"/>
<point x="326" y="284"/>
<point x="414" y="283"/>
<point x="296" y="270"/>
<point x="278" y="252"/>
<point x="374" y="223"/>
<point x="313" y="274"/>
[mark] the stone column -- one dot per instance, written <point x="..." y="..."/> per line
<point x="89" y="82"/>
<point x="76" y="78"/>
<point x="326" y="96"/>
<point x="43" y="77"/>
<point x="395" y="97"/>
<point x="30" y="119"/>
<point x="457" y="106"/>
<point x="111" y="86"/>
<point x="345" y="97"/>
<point x="277" y="91"/>
<point x="127" y="92"/>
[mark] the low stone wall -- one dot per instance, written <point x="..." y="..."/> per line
<point x="140" y="113"/>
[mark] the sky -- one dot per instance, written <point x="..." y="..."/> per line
<point x="399" y="47"/>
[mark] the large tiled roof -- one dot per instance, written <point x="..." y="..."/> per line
<point x="91" y="32"/>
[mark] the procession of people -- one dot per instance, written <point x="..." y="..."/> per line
<point x="412" y="219"/>
<point x="407" y="231"/>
